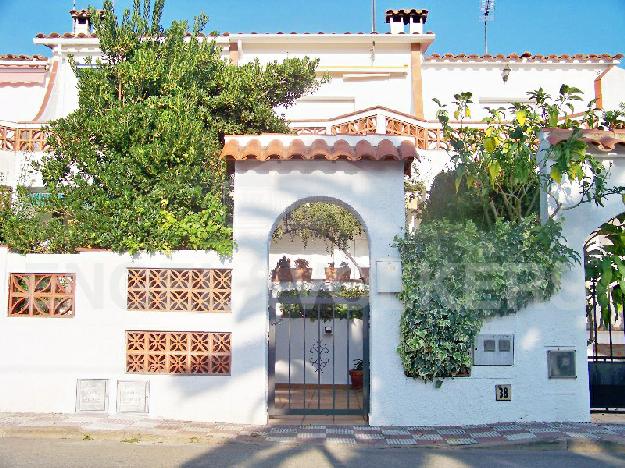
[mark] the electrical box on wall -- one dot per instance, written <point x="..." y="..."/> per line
<point x="561" y="364"/>
<point x="388" y="275"/>
<point x="493" y="350"/>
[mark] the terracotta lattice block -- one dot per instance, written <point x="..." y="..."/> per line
<point x="41" y="294"/>
<point x="159" y="352"/>
<point x="197" y="290"/>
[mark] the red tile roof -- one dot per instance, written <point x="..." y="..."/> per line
<point x="524" y="57"/>
<point x="319" y="149"/>
<point x="22" y="58"/>
<point x="602" y="140"/>
<point x="69" y="35"/>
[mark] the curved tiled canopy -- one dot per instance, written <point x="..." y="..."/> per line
<point x="602" y="140"/>
<point x="294" y="147"/>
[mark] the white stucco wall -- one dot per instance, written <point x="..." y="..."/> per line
<point x="20" y="103"/>
<point x="45" y="356"/>
<point x="613" y="88"/>
<point x="443" y="80"/>
<point x="16" y="169"/>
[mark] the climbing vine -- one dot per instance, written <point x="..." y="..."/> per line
<point x="456" y="275"/>
<point x="480" y="249"/>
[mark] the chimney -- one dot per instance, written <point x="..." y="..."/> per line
<point x="400" y="18"/>
<point x="81" y="21"/>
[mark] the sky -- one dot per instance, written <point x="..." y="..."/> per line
<point x="538" y="26"/>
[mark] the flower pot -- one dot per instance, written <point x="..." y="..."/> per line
<point x="356" y="377"/>
<point x="330" y="273"/>
<point x="301" y="274"/>
<point x="343" y="273"/>
<point x="283" y="274"/>
<point x="364" y="273"/>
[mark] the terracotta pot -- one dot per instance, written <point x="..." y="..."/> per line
<point x="283" y="274"/>
<point x="356" y="377"/>
<point x="364" y="271"/>
<point x="330" y="273"/>
<point x="301" y="274"/>
<point x="343" y="274"/>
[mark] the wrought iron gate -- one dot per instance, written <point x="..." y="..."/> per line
<point x="606" y="359"/>
<point x="314" y="340"/>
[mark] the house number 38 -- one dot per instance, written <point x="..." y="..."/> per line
<point x="503" y="392"/>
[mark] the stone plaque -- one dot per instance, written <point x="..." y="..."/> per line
<point x="132" y="396"/>
<point x="503" y="392"/>
<point x="388" y="275"/>
<point x="91" y="395"/>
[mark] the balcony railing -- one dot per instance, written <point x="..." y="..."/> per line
<point x="22" y="137"/>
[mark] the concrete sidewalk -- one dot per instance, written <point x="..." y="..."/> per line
<point x="139" y="429"/>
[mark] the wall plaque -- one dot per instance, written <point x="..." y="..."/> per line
<point x="91" y="395"/>
<point x="132" y="396"/>
<point x="503" y="392"/>
<point x="388" y="275"/>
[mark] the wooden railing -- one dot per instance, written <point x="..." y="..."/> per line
<point x="22" y="138"/>
<point x="428" y="136"/>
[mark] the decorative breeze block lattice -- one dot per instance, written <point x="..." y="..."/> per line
<point x="41" y="294"/>
<point x="159" y="352"/>
<point x="197" y="290"/>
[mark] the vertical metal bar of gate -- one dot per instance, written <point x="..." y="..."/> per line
<point x="348" y="330"/>
<point x="365" y="359"/>
<point x="272" y="353"/>
<point x="333" y="359"/>
<point x="304" y="358"/>
<point x="289" y="357"/>
<point x="318" y="356"/>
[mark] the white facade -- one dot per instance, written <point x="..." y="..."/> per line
<point x="49" y="355"/>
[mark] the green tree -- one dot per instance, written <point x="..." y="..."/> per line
<point x="329" y="222"/>
<point x="498" y="163"/>
<point x="136" y="166"/>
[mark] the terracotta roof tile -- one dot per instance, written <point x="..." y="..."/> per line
<point x="22" y="58"/>
<point x="406" y="13"/>
<point x="525" y="57"/>
<point x="601" y="139"/>
<point x="292" y="147"/>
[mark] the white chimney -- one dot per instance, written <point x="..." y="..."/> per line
<point x="81" y="21"/>
<point x="398" y="19"/>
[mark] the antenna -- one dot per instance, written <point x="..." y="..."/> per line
<point x="487" y="7"/>
<point x="372" y="15"/>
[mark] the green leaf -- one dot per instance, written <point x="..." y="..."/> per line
<point x="490" y="144"/>
<point x="521" y="116"/>
<point x="555" y="173"/>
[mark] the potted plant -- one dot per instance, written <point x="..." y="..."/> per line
<point x="330" y="272"/>
<point x="364" y="274"/>
<point x="282" y="272"/>
<point x="343" y="272"/>
<point x="302" y="270"/>
<point x="356" y="374"/>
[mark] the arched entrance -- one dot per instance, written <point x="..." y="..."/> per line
<point x="275" y="173"/>
<point x="318" y="359"/>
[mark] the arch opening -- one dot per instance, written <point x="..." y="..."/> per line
<point x="318" y="283"/>
<point x="604" y="265"/>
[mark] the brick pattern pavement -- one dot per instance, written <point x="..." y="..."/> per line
<point x="482" y="435"/>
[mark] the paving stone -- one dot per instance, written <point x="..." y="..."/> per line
<point x="341" y="440"/>
<point x="451" y="431"/>
<point x="488" y="435"/>
<point x="430" y="437"/>
<point x="520" y="436"/>
<point x="395" y="432"/>
<point x="368" y="436"/>
<point x="581" y="435"/>
<point x="465" y="441"/>
<point x="509" y="428"/>
<point x="339" y="430"/>
<point x="409" y="441"/>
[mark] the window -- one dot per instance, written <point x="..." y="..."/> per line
<point x="197" y="290"/>
<point x="161" y="352"/>
<point x="41" y="295"/>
